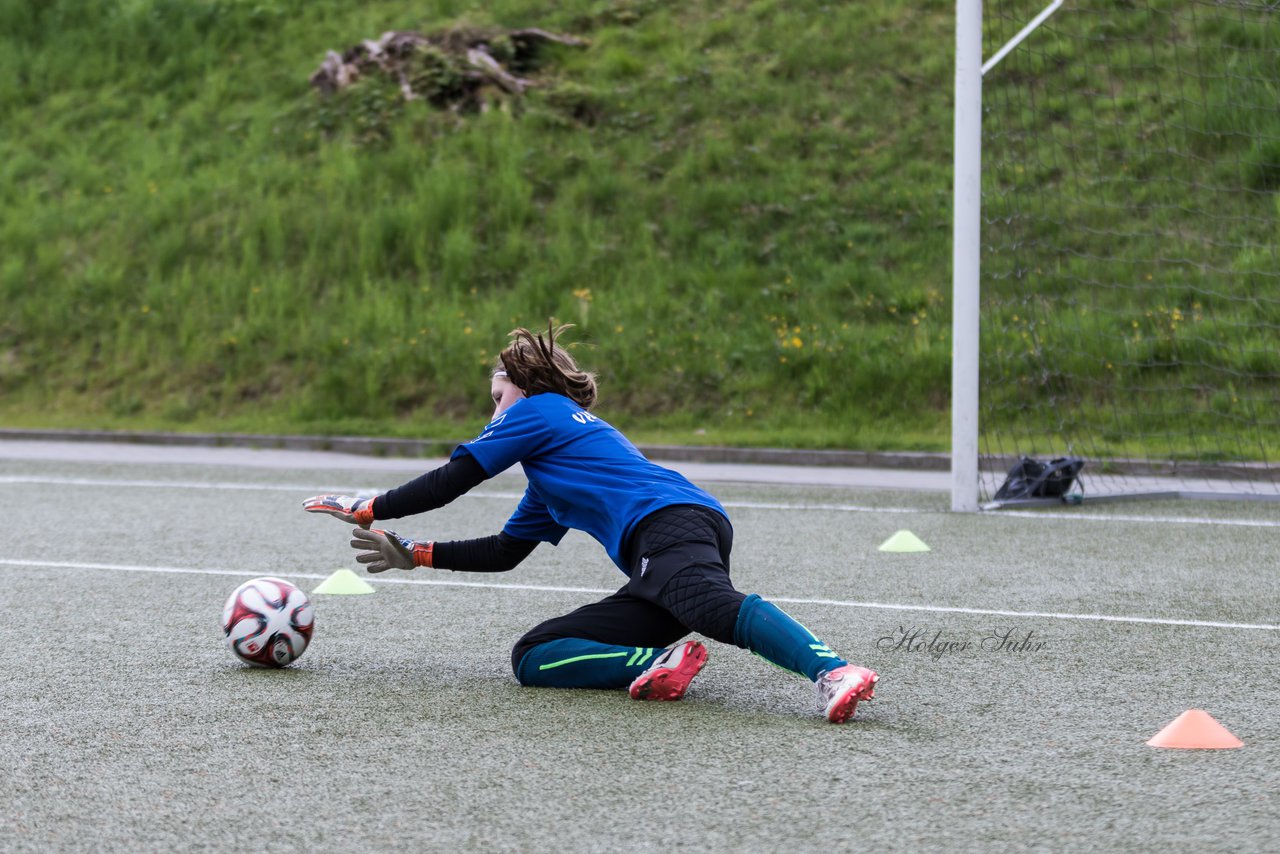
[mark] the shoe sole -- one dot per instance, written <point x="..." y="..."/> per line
<point x="846" y="705"/>
<point x="670" y="683"/>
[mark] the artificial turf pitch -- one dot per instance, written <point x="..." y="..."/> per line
<point x="126" y="724"/>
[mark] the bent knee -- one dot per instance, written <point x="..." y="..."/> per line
<point x="521" y="650"/>
<point x="704" y="600"/>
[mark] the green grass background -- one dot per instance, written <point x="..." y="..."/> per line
<point x="744" y="207"/>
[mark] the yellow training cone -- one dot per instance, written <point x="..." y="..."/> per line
<point x="344" y="582"/>
<point x="904" y="541"/>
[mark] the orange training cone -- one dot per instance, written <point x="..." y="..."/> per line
<point x="1195" y="729"/>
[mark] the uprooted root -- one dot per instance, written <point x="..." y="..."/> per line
<point x="460" y="69"/>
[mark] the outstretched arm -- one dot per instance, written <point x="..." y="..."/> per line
<point x="383" y="550"/>
<point x="434" y="489"/>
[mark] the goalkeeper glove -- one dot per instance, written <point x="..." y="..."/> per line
<point x="357" y="511"/>
<point x="383" y="550"/>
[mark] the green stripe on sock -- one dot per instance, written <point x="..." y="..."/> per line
<point x="580" y="658"/>
<point x="642" y="655"/>
<point x="822" y="650"/>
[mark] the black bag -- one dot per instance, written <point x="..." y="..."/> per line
<point x="1033" y="479"/>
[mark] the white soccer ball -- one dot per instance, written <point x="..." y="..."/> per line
<point x="268" y="622"/>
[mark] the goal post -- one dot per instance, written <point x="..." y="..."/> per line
<point x="965" y="256"/>
<point x="1116" y="245"/>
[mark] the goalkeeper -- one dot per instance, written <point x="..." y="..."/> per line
<point x="670" y="538"/>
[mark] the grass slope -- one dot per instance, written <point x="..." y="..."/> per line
<point x="744" y="207"/>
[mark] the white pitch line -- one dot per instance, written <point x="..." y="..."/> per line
<point x="1173" y="520"/>
<point x="313" y="489"/>
<point x="184" y="570"/>
<point x="149" y="484"/>
<point x="747" y="505"/>
<point x="1050" y="615"/>
<point x="840" y="508"/>
<point x="837" y="603"/>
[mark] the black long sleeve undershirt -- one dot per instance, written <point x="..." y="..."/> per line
<point x="434" y="489"/>
<point x="438" y="487"/>
<point x="498" y="553"/>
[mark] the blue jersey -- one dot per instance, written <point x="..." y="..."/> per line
<point x="582" y="473"/>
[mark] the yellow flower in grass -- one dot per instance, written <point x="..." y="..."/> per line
<point x="584" y="304"/>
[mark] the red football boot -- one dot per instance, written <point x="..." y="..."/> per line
<point x="840" y="690"/>
<point x="670" y="674"/>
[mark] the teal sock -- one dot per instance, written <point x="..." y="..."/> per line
<point x="577" y="663"/>
<point x="770" y="633"/>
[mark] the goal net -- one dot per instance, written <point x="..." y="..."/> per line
<point x="1129" y="264"/>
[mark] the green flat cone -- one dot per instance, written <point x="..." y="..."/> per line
<point x="344" y="582"/>
<point x="904" y="541"/>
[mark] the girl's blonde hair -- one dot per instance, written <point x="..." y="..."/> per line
<point x="537" y="366"/>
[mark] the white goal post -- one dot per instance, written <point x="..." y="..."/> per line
<point x="1116" y="271"/>
<point x="966" y="256"/>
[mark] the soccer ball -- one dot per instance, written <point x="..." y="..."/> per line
<point x="268" y="622"/>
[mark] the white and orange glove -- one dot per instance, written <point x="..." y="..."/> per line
<point x="357" y="511"/>
<point x="383" y="550"/>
